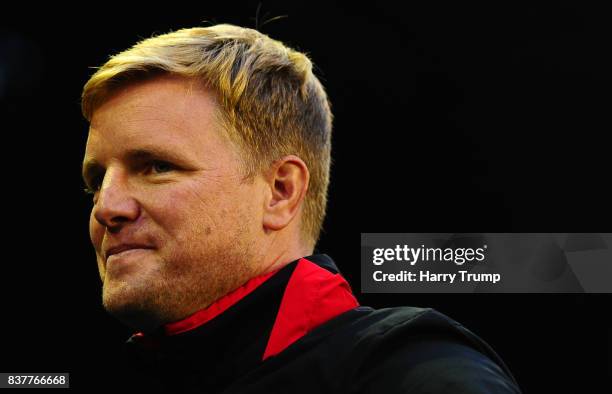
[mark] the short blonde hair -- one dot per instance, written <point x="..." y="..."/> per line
<point x="271" y="103"/>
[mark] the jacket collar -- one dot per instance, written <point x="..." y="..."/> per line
<point x="257" y="321"/>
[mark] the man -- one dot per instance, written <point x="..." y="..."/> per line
<point x="208" y="159"/>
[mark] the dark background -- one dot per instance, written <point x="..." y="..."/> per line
<point x="448" y="118"/>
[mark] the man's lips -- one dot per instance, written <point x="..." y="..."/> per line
<point x="124" y="247"/>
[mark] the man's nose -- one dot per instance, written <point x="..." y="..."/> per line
<point x="115" y="205"/>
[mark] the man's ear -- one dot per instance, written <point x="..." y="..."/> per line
<point x="287" y="182"/>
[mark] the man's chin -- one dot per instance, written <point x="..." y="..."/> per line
<point x="132" y="307"/>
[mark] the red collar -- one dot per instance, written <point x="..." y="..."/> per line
<point x="216" y="308"/>
<point x="312" y="296"/>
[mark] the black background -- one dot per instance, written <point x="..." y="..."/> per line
<point x="448" y="118"/>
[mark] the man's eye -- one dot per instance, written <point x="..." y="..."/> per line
<point x="89" y="190"/>
<point x="92" y="190"/>
<point x="161" y="166"/>
<point x="94" y="186"/>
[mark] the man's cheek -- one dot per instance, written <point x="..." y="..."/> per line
<point x="96" y="233"/>
<point x="101" y="268"/>
<point x="202" y="205"/>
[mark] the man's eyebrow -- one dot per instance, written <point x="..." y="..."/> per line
<point x="91" y="166"/>
<point x="139" y="154"/>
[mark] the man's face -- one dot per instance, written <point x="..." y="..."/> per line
<point x="173" y="224"/>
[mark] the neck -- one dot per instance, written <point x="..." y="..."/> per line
<point x="282" y="249"/>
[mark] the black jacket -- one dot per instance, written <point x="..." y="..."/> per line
<point x="301" y="330"/>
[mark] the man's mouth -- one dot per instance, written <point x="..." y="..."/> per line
<point x="125" y="249"/>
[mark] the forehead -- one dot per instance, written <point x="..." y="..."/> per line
<point x="169" y="111"/>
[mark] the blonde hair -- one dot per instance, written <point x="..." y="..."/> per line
<point x="271" y="104"/>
